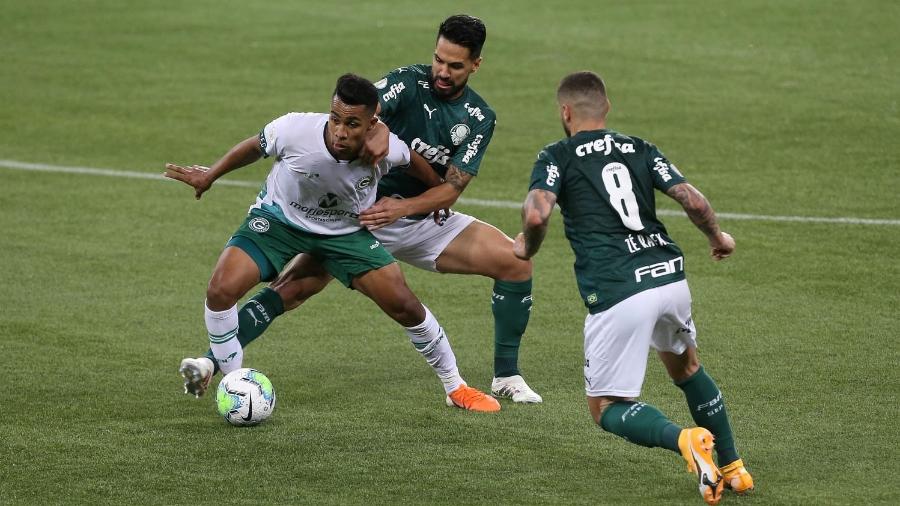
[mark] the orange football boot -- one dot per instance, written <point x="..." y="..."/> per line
<point x="466" y="397"/>
<point x="737" y="478"/>
<point x="696" y="445"/>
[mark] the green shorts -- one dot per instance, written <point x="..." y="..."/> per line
<point x="272" y="243"/>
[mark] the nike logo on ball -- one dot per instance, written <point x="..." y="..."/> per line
<point x="249" y="411"/>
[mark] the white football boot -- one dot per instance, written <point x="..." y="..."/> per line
<point x="515" y="388"/>
<point x="197" y="374"/>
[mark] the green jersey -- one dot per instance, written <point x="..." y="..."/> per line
<point x="604" y="183"/>
<point x="444" y="132"/>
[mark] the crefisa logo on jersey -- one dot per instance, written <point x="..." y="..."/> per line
<point x="458" y="133"/>
<point x="259" y="225"/>
<point x="439" y="155"/>
<point x="364" y="183"/>
<point x="603" y="145"/>
<point x="393" y="91"/>
<point x="472" y="148"/>
<point x="475" y="112"/>
<point x="552" y="174"/>
<point x="662" y="168"/>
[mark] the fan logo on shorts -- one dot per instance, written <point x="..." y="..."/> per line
<point x="364" y="183"/>
<point x="259" y="225"/>
<point x="329" y="200"/>
<point x="592" y="298"/>
<point x="458" y="133"/>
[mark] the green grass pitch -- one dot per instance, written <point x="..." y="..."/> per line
<point x="770" y="108"/>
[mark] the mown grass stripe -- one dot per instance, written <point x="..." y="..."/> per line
<point x="505" y="204"/>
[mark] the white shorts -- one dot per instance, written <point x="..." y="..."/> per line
<point x="617" y="341"/>
<point x="420" y="242"/>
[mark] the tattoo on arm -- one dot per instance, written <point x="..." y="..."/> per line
<point x="696" y="206"/>
<point x="457" y="178"/>
<point x="535" y="217"/>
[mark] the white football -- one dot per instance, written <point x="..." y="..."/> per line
<point x="245" y="397"/>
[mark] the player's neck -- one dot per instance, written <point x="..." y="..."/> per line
<point x="586" y="125"/>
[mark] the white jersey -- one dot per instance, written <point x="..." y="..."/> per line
<point x="308" y="188"/>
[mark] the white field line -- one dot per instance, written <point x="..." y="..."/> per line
<point x="505" y="204"/>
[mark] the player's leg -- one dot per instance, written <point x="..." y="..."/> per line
<point x="387" y="287"/>
<point x="300" y="279"/>
<point x="258" y="249"/>
<point x="616" y="343"/>
<point x="234" y="275"/>
<point x="483" y="249"/>
<point x="675" y="340"/>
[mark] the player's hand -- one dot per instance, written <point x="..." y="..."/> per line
<point x="384" y="212"/>
<point x="722" y="246"/>
<point x="194" y="176"/>
<point x="377" y="144"/>
<point x="519" y="247"/>
<point x="441" y="216"/>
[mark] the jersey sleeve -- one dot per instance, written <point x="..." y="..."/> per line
<point x="398" y="155"/>
<point x="272" y="135"/>
<point x="665" y="174"/>
<point x="546" y="174"/>
<point x="395" y="91"/>
<point x="468" y="157"/>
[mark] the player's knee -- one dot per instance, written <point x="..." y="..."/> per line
<point x="686" y="368"/>
<point x="515" y="270"/>
<point x="406" y="310"/>
<point x="598" y="405"/>
<point x="289" y="303"/>
<point x="220" y="296"/>
<point x="690" y="368"/>
<point x="295" y="293"/>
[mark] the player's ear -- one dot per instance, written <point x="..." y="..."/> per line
<point x="565" y="110"/>
<point x="476" y="64"/>
<point x="372" y="122"/>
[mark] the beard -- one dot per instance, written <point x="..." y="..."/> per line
<point x="445" y="93"/>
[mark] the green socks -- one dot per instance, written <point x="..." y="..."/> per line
<point x="640" y="424"/>
<point x="254" y="318"/>
<point x="511" y="305"/>
<point x="708" y="410"/>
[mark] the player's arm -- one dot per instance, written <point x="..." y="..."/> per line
<point x="420" y="169"/>
<point x="535" y="219"/>
<point x="201" y="178"/>
<point x="440" y="196"/>
<point x="377" y="143"/>
<point x="704" y="218"/>
<point x="388" y="210"/>
<point x="460" y="171"/>
<point x="375" y="148"/>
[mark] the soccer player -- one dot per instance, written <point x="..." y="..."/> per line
<point x="631" y="277"/>
<point x="310" y="203"/>
<point x="433" y="110"/>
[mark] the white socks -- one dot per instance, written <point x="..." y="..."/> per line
<point x="430" y="340"/>
<point x="222" y="327"/>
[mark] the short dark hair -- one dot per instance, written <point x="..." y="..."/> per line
<point x="466" y="31"/>
<point x="584" y="91"/>
<point x="352" y="89"/>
